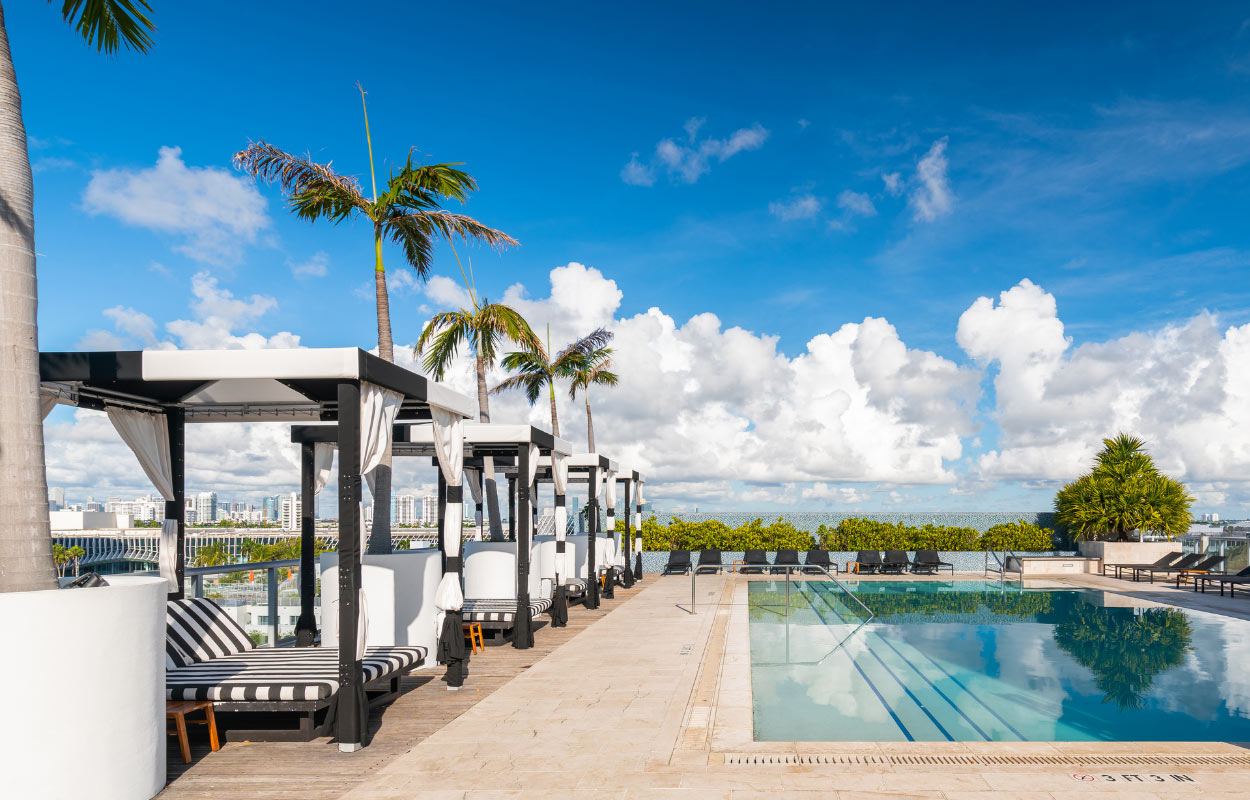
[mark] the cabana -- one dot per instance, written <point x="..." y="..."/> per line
<point x="631" y="482"/>
<point x="594" y="470"/>
<point x="150" y="396"/>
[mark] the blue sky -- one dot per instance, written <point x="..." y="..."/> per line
<point x="789" y="171"/>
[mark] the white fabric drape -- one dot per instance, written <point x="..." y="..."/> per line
<point x="533" y="464"/>
<point x="560" y="484"/>
<point x="449" y="445"/>
<point x="167" y="554"/>
<point x="560" y="472"/>
<point x="147" y="436"/>
<point x="47" y="402"/>
<point x="323" y="465"/>
<point x="609" y="502"/>
<point x="378" y="408"/>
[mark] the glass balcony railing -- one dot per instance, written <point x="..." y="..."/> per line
<point x="262" y="596"/>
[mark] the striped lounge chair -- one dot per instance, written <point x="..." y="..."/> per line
<point x="208" y="656"/>
<point x="499" y="614"/>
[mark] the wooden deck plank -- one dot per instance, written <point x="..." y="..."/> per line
<point x="316" y="770"/>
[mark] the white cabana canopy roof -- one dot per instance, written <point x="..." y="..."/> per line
<point x="586" y="460"/>
<point x="237" y="385"/>
<point x="487" y="436"/>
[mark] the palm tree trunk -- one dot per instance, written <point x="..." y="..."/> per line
<point x="25" y="530"/>
<point x="590" y="425"/>
<point x="488" y="463"/>
<point x="380" y="534"/>
<point x="555" y="423"/>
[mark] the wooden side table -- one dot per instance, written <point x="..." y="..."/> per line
<point x="177" y="710"/>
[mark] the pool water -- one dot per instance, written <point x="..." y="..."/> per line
<point x="974" y="661"/>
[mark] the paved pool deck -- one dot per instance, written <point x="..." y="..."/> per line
<point x="651" y="701"/>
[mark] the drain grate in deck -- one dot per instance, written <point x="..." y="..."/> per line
<point x="973" y="760"/>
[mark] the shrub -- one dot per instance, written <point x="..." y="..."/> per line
<point x="682" y="535"/>
<point x="1023" y="536"/>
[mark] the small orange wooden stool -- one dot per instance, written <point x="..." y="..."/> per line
<point x="177" y="710"/>
<point x="473" y="630"/>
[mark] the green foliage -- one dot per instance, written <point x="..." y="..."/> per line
<point x="1024" y="537"/>
<point x="1125" y="650"/>
<point x="1125" y="492"/>
<point x="681" y="535"/>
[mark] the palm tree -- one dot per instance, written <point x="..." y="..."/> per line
<point x="25" y="532"/>
<point x="212" y="555"/>
<point x="593" y="368"/>
<point x="408" y="212"/>
<point x="482" y="327"/>
<point x="535" y="370"/>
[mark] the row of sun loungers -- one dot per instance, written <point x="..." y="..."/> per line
<point x="817" y="562"/>
<point x="1184" y="567"/>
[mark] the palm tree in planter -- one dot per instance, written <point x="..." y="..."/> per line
<point x="1125" y="492"/>
<point x="593" y="368"/>
<point x="536" y="371"/>
<point x="25" y="531"/>
<point x="482" y="326"/>
<point x="409" y="212"/>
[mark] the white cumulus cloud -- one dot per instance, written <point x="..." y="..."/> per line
<point x="856" y="203"/>
<point x="805" y="206"/>
<point x="933" y="197"/>
<point x="688" y="159"/>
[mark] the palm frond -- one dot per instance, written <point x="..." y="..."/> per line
<point x="532" y="383"/>
<point x="294" y="174"/>
<point x="567" y="360"/>
<point x="441" y="339"/>
<point x="497" y="321"/>
<point x="108" y="24"/>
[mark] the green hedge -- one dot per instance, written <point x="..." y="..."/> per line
<point x="850" y="535"/>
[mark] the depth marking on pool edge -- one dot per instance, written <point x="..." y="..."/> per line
<point x="972" y="760"/>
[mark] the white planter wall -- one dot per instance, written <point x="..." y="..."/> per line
<point x="576" y="549"/>
<point x="1128" y="552"/>
<point x="490" y="569"/>
<point x="399" y="590"/>
<point x="84" y="691"/>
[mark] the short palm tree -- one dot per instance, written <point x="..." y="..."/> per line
<point x="536" y="371"/>
<point x="483" y="326"/>
<point x="408" y="212"/>
<point x="25" y="532"/>
<point x="593" y="368"/>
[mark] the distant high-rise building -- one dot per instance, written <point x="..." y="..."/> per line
<point x="404" y="509"/>
<point x="272" y="508"/>
<point x="206" y="508"/>
<point x="291" y="511"/>
<point x="429" y="510"/>
<point x="56" y="498"/>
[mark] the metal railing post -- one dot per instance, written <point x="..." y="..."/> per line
<point x="197" y="585"/>
<point x="693" y="573"/>
<point x="272" y="579"/>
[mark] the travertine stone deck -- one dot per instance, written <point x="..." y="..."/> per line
<point x="652" y="701"/>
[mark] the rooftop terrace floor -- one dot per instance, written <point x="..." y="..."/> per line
<point x="642" y="699"/>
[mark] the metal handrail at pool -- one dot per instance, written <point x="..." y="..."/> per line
<point x="1003" y="565"/>
<point x="694" y="572"/>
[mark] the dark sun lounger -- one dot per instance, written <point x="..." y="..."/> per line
<point x="1167" y="561"/>
<point x="867" y="561"/>
<point x="753" y="562"/>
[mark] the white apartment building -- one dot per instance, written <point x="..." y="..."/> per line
<point x="206" y="508"/>
<point x="291" y="511"/>
<point x="405" y="510"/>
<point x="429" y="510"/>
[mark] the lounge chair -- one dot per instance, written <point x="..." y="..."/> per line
<point x="867" y="562"/>
<point x="1168" y="560"/>
<point x="928" y="561"/>
<point x="208" y="656"/>
<point x="819" y="558"/>
<point x="1233" y="581"/>
<point x="678" y="563"/>
<point x="707" y="560"/>
<point x="1190" y="561"/>
<point x="753" y="562"/>
<point x="1203" y="568"/>
<point x="896" y="562"/>
<point x="786" y="557"/>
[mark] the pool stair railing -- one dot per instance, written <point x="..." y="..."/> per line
<point x="1008" y="563"/>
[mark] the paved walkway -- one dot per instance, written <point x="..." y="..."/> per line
<point x="653" y="702"/>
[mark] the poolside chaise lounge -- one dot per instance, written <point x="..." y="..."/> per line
<point x="1203" y="568"/>
<point x="1185" y="561"/>
<point x="1240" y="579"/>
<point x="678" y="563"/>
<point x="1191" y="561"/>
<point x="816" y="558"/>
<point x="208" y="656"/>
<point x="1166" y="561"/>
<point x="753" y="562"/>
<point x="786" y="557"/>
<point x="867" y="562"/>
<point x="896" y="562"/>
<point x="707" y="560"/>
<point x="930" y="562"/>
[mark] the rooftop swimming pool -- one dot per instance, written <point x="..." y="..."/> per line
<point x="972" y="661"/>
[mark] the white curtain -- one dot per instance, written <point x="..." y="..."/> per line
<point x="560" y="480"/>
<point x="378" y="408"/>
<point x="449" y="445"/>
<point x="147" y="436"/>
<point x="472" y="476"/>
<point x="323" y="464"/>
<point x="167" y="555"/>
<point x="609" y="501"/>
<point x="47" y="402"/>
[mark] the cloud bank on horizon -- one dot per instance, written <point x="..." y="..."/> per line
<point x="720" y="417"/>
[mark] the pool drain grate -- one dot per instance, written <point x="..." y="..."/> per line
<point x="971" y="760"/>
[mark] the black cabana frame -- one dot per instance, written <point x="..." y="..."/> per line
<point x="270" y="386"/>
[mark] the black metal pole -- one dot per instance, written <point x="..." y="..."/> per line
<point x="628" y="536"/>
<point x="592" y="530"/>
<point x="306" y="626"/>
<point x="442" y="516"/>
<point x="176" y="509"/>
<point x="511" y="508"/>
<point x="523" y="625"/>
<point x="352" y="705"/>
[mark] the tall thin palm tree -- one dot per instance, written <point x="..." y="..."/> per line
<point x="409" y="212"/>
<point x="25" y="531"/>
<point x="592" y="369"/>
<point x="535" y="371"/>
<point x="482" y="327"/>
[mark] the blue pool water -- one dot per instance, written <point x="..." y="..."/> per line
<point x="972" y="661"/>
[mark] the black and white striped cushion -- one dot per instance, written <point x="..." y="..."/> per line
<point x="575" y="586"/>
<point x="498" y="610"/>
<point x="197" y="629"/>
<point x="284" y="673"/>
